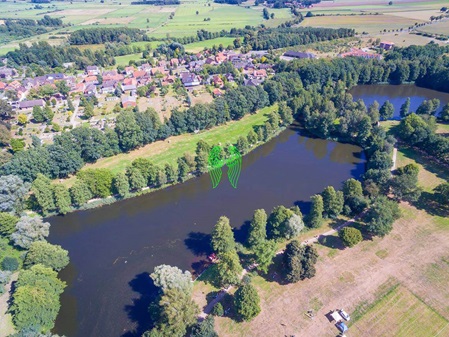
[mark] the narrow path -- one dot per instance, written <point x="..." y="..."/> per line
<point x="395" y="155"/>
<point x="6" y="326"/>
<point x="208" y="308"/>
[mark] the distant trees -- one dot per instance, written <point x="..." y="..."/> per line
<point x="103" y="35"/>
<point x="7" y="223"/>
<point x="299" y="261"/>
<point x="350" y="236"/>
<point x="247" y="302"/>
<point x="428" y="107"/>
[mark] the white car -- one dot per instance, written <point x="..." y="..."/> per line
<point x="344" y="314"/>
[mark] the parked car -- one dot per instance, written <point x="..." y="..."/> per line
<point x="342" y="327"/>
<point x="345" y="315"/>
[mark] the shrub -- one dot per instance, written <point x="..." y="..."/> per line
<point x="350" y="236"/>
<point x="10" y="263"/>
<point x="218" y="310"/>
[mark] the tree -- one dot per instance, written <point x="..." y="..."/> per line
<point x="10" y="263"/>
<point x="229" y="268"/>
<point x="373" y="112"/>
<point x="201" y="160"/>
<point x="7" y="223"/>
<point x="350" y="236"/>
<point x="205" y="328"/>
<point x="277" y="222"/>
<point x="405" y="108"/>
<point x="29" y="230"/>
<point x="88" y="112"/>
<point x="5" y="109"/>
<point x="315" y="217"/>
<point x="136" y="179"/>
<point x="265" y="14"/>
<point x="36" y="299"/>
<point x="170" y="172"/>
<point x="386" y="110"/>
<point x="12" y="193"/>
<point x="99" y="181"/>
<point x="405" y="183"/>
<point x="128" y="131"/>
<point x="299" y="261"/>
<point x="183" y="170"/>
<point x="258" y="228"/>
<point x="265" y="252"/>
<point x="17" y="145"/>
<point x="222" y="237"/>
<point x="62" y="198"/>
<point x="442" y="193"/>
<point x="80" y="193"/>
<point x="286" y="113"/>
<point x="252" y="138"/>
<point x="167" y="277"/>
<point x="43" y="193"/>
<point x="48" y="255"/>
<point x="247" y="302"/>
<point x="242" y="145"/>
<point x="294" y="226"/>
<point x="22" y="119"/>
<point x="381" y="216"/>
<point x="428" y="107"/>
<point x="5" y="136"/>
<point x="332" y="202"/>
<point x="161" y="178"/>
<point x="444" y="115"/>
<point x="38" y="114"/>
<point x="121" y="185"/>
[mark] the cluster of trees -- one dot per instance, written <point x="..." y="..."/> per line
<point x="43" y="54"/>
<point x="102" y="35"/>
<point x="22" y="28"/>
<point x="274" y="38"/>
<point x="35" y="301"/>
<point x="420" y="131"/>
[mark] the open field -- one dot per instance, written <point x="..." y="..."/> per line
<point x="395" y="286"/>
<point x="199" y="46"/>
<point x="171" y="149"/>
<point x="441" y="27"/>
<point x="372" y="24"/>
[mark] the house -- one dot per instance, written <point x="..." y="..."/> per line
<point x="31" y="104"/>
<point x="91" y="80"/>
<point x="211" y="61"/>
<point x="220" y="58"/>
<point x="167" y="80"/>
<point x="360" y="53"/>
<point x="157" y="70"/>
<point x="79" y="88"/>
<point x="90" y="90"/>
<point x="299" y="55"/>
<point x="7" y="73"/>
<point x="131" y="87"/>
<point x="129" y="70"/>
<point x="260" y="74"/>
<point x="217" y="81"/>
<point x="139" y="74"/>
<point x="92" y="70"/>
<point x="162" y="64"/>
<point x="252" y="82"/>
<point x="217" y="92"/>
<point x="189" y="79"/>
<point x="129" y="81"/>
<point x="196" y="65"/>
<point x="129" y="101"/>
<point x="146" y="67"/>
<point x="112" y="75"/>
<point x="174" y="62"/>
<point x="108" y="87"/>
<point x="55" y="77"/>
<point x="386" y="45"/>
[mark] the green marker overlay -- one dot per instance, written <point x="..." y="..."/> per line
<point x="215" y="162"/>
<point x="234" y="163"/>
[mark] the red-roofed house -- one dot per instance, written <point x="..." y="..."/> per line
<point x="217" y="92"/>
<point x="129" y="101"/>
<point x="217" y="81"/>
<point x="139" y="74"/>
<point x="174" y="62"/>
<point x="129" y="70"/>
<point x="2" y="86"/>
<point x="129" y="81"/>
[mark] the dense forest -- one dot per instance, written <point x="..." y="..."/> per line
<point x="13" y="29"/>
<point x="274" y="38"/>
<point x="103" y="35"/>
<point x="44" y="54"/>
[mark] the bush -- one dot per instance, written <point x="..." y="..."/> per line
<point x="350" y="236"/>
<point x="10" y="263"/>
<point x="218" y="310"/>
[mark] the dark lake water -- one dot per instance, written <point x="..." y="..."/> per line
<point x="397" y="94"/>
<point x="113" y="248"/>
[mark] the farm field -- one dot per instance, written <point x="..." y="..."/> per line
<point x="199" y="46"/>
<point x="395" y="287"/>
<point x="441" y="27"/>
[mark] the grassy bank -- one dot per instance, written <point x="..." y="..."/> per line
<point x="169" y="150"/>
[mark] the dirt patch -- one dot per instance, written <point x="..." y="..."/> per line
<point x="110" y="21"/>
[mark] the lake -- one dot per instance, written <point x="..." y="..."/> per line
<point x="397" y="94"/>
<point x="114" y="248"/>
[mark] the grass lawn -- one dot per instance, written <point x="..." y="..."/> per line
<point x="400" y="313"/>
<point x="124" y="60"/>
<point x="169" y="150"/>
<point x="199" y="46"/>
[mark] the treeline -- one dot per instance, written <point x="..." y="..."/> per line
<point x="103" y="35"/>
<point x="288" y="3"/>
<point x="43" y="54"/>
<point x="230" y="2"/>
<point x="274" y="38"/>
<point x="21" y="28"/>
<point x="156" y="2"/>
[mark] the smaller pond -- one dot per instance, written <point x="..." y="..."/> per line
<point x="397" y="94"/>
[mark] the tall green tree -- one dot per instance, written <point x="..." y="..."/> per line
<point x="386" y="110"/>
<point x="128" y="131"/>
<point x="229" y="268"/>
<point x="135" y="178"/>
<point x="405" y="183"/>
<point x="252" y="138"/>
<point x="373" y="112"/>
<point x="315" y="218"/>
<point x="444" y="115"/>
<point x="183" y="170"/>
<point x="170" y="172"/>
<point x="98" y="180"/>
<point x="205" y="328"/>
<point x="300" y="261"/>
<point x="264" y="253"/>
<point x="80" y="193"/>
<point x="381" y="216"/>
<point x="258" y="228"/>
<point x="223" y="237"/>
<point x="121" y="184"/>
<point x="48" y="255"/>
<point x="405" y="108"/>
<point x="7" y="223"/>
<point x="247" y="302"/>
<point x="36" y="299"/>
<point x="277" y="222"/>
<point x="62" y="198"/>
<point x="428" y="107"/>
<point x="43" y="193"/>
<point x="332" y="202"/>
<point x="242" y="145"/>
